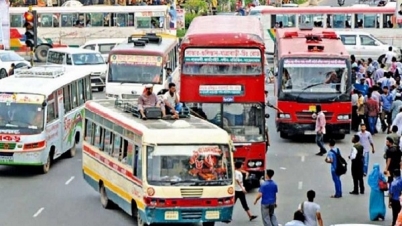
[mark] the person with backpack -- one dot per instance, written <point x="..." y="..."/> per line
<point x="332" y="158"/>
<point x="378" y="184"/>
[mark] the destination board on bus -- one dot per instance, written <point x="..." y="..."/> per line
<point x="136" y="60"/>
<point x="309" y="62"/>
<point x="222" y="56"/>
<point x="208" y="90"/>
<point x="21" y="98"/>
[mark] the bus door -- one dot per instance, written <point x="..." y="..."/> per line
<point x="60" y="106"/>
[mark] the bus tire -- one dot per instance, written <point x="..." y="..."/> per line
<point x="283" y="135"/>
<point x="105" y="201"/>
<point x="208" y="223"/>
<point x="46" y="167"/>
<point x="140" y="222"/>
<point x="41" y="52"/>
<point x="73" y="150"/>
<point x="3" y="73"/>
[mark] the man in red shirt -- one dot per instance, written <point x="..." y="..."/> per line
<point x="372" y="110"/>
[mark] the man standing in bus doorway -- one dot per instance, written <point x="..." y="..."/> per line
<point x="240" y="191"/>
<point x="320" y="124"/>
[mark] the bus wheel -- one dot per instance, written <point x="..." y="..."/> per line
<point x="140" y="222"/>
<point x="106" y="203"/>
<point x="46" y="167"/>
<point x="41" y="53"/>
<point x="73" y="150"/>
<point x="208" y="223"/>
<point x="283" y="135"/>
<point x="3" y="73"/>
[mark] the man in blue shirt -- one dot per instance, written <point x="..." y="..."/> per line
<point x="394" y="193"/>
<point x="331" y="158"/>
<point x="386" y="100"/>
<point x="362" y="87"/>
<point x="267" y="194"/>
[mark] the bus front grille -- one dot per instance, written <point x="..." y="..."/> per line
<point x="191" y="214"/>
<point x="304" y="115"/>
<point x="191" y="192"/>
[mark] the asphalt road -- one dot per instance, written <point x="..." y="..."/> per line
<point x="62" y="197"/>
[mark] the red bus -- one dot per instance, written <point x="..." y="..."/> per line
<point x="313" y="68"/>
<point x="222" y="80"/>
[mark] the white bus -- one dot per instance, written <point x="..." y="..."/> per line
<point x="41" y="115"/>
<point x="158" y="171"/>
<point x="141" y="61"/>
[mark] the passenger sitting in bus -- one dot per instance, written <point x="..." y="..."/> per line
<point x="286" y="80"/>
<point x="149" y="99"/>
<point x="171" y="101"/>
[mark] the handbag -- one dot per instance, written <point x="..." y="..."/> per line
<point x="382" y="185"/>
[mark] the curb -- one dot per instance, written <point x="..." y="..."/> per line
<point x="307" y="4"/>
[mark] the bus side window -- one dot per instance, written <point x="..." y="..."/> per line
<point x="67" y="98"/>
<point x="98" y="137"/>
<point x="88" y="89"/>
<point x="81" y="92"/>
<point x="137" y="162"/>
<point x="126" y="153"/>
<point x="107" y="142"/>
<point x="88" y="135"/>
<point x="51" y="107"/>
<point x="117" y="146"/>
<point x="74" y="94"/>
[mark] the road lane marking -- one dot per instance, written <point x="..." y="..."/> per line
<point x="300" y="186"/>
<point x="79" y="160"/>
<point x="38" y="212"/>
<point x="282" y="168"/>
<point x="69" y="180"/>
<point x="302" y="158"/>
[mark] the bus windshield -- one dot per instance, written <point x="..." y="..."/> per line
<point x="222" y="61"/>
<point x="88" y="59"/>
<point x="135" y="69"/>
<point x="21" y="116"/>
<point x="189" y="165"/>
<point x="244" y="122"/>
<point x="312" y="75"/>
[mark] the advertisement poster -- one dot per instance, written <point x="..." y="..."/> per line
<point x="5" y="24"/>
<point x="224" y="56"/>
<point x="323" y="63"/>
<point x="180" y="19"/>
<point x="399" y="13"/>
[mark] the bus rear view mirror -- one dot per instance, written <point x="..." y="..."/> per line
<point x="44" y="104"/>
<point x="266" y="115"/>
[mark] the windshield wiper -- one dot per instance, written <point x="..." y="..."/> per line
<point x="193" y="182"/>
<point x="307" y="87"/>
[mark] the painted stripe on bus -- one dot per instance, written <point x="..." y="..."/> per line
<point x="112" y="166"/>
<point x="272" y="34"/>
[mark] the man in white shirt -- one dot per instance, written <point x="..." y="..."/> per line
<point x="171" y="99"/>
<point x="240" y="191"/>
<point x="388" y="57"/>
<point x="311" y="211"/>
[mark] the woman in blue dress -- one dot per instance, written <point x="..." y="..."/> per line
<point x="376" y="205"/>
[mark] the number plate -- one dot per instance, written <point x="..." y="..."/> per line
<point x="310" y="132"/>
<point x="6" y="158"/>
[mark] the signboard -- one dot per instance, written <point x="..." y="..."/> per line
<point x="136" y="60"/>
<point x="149" y="14"/>
<point x="21" y="98"/>
<point x="210" y="90"/>
<point x="321" y="63"/>
<point x="222" y="56"/>
<point x="399" y="13"/>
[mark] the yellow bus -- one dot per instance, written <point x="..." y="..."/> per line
<point x="158" y="170"/>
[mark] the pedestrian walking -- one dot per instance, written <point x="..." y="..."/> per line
<point x="355" y="118"/>
<point x="372" y="110"/>
<point x="320" y="124"/>
<point x="396" y="106"/>
<point x="240" y="191"/>
<point x="332" y="159"/>
<point x="395" y="136"/>
<point x="377" y="207"/>
<point x="386" y="100"/>
<point x="394" y="193"/>
<point x="267" y="194"/>
<point x="311" y="211"/>
<point x="356" y="156"/>
<point x="393" y="158"/>
<point x="398" y="121"/>
<point x="298" y="219"/>
<point x="366" y="140"/>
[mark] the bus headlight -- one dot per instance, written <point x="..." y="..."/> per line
<point x="258" y="163"/>
<point x="251" y="164"/>
<point x="284" y="116"/>
<point x="343" y="117"/>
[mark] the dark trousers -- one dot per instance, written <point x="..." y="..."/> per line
<point x="396" y="207"/>
<point x="240" y="195"/>
<point x="355" y="119"/>
<point x="358" y="181"/>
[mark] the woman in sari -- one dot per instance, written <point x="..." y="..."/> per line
<point x="376" y="205"/>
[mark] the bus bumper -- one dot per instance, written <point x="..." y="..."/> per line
<point x="291" y="129"/>
<point x="187" y="215"/>
<point x="35" y="158"/>
<point x="253" y="179"/>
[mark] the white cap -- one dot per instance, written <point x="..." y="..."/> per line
<point x="149" y="86"/>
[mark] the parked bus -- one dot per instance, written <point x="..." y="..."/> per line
<point x="313" y="69"/>
<point x="378" y="21"/>
<point x="143" y="60"/>
<point x="222" y="80"/>
<point x="40" y="122"/>
<point x="76" y="25"/>
<point x="158" y="171"/>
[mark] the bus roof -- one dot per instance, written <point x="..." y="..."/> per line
<point x="91" y="9"/>
<point x="224" y="30"/>
<point x="150" y="48"/>
<point x="292" y="46"/>
<point x="40" y="85"/>
<point x="327" y="10"/>
<point x="191" y="130"/>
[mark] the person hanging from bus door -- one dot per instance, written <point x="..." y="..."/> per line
<point x="169" y="77"/>
<point x="171" y="100"/>
<point x="268" y="104"/>
<point x="149" y="99"/>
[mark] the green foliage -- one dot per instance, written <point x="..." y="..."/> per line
<point x="188" y="18"/>
<point x="180" y="33"/>
<point x="301" y="1"/>
<point x="195" y="6"/>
